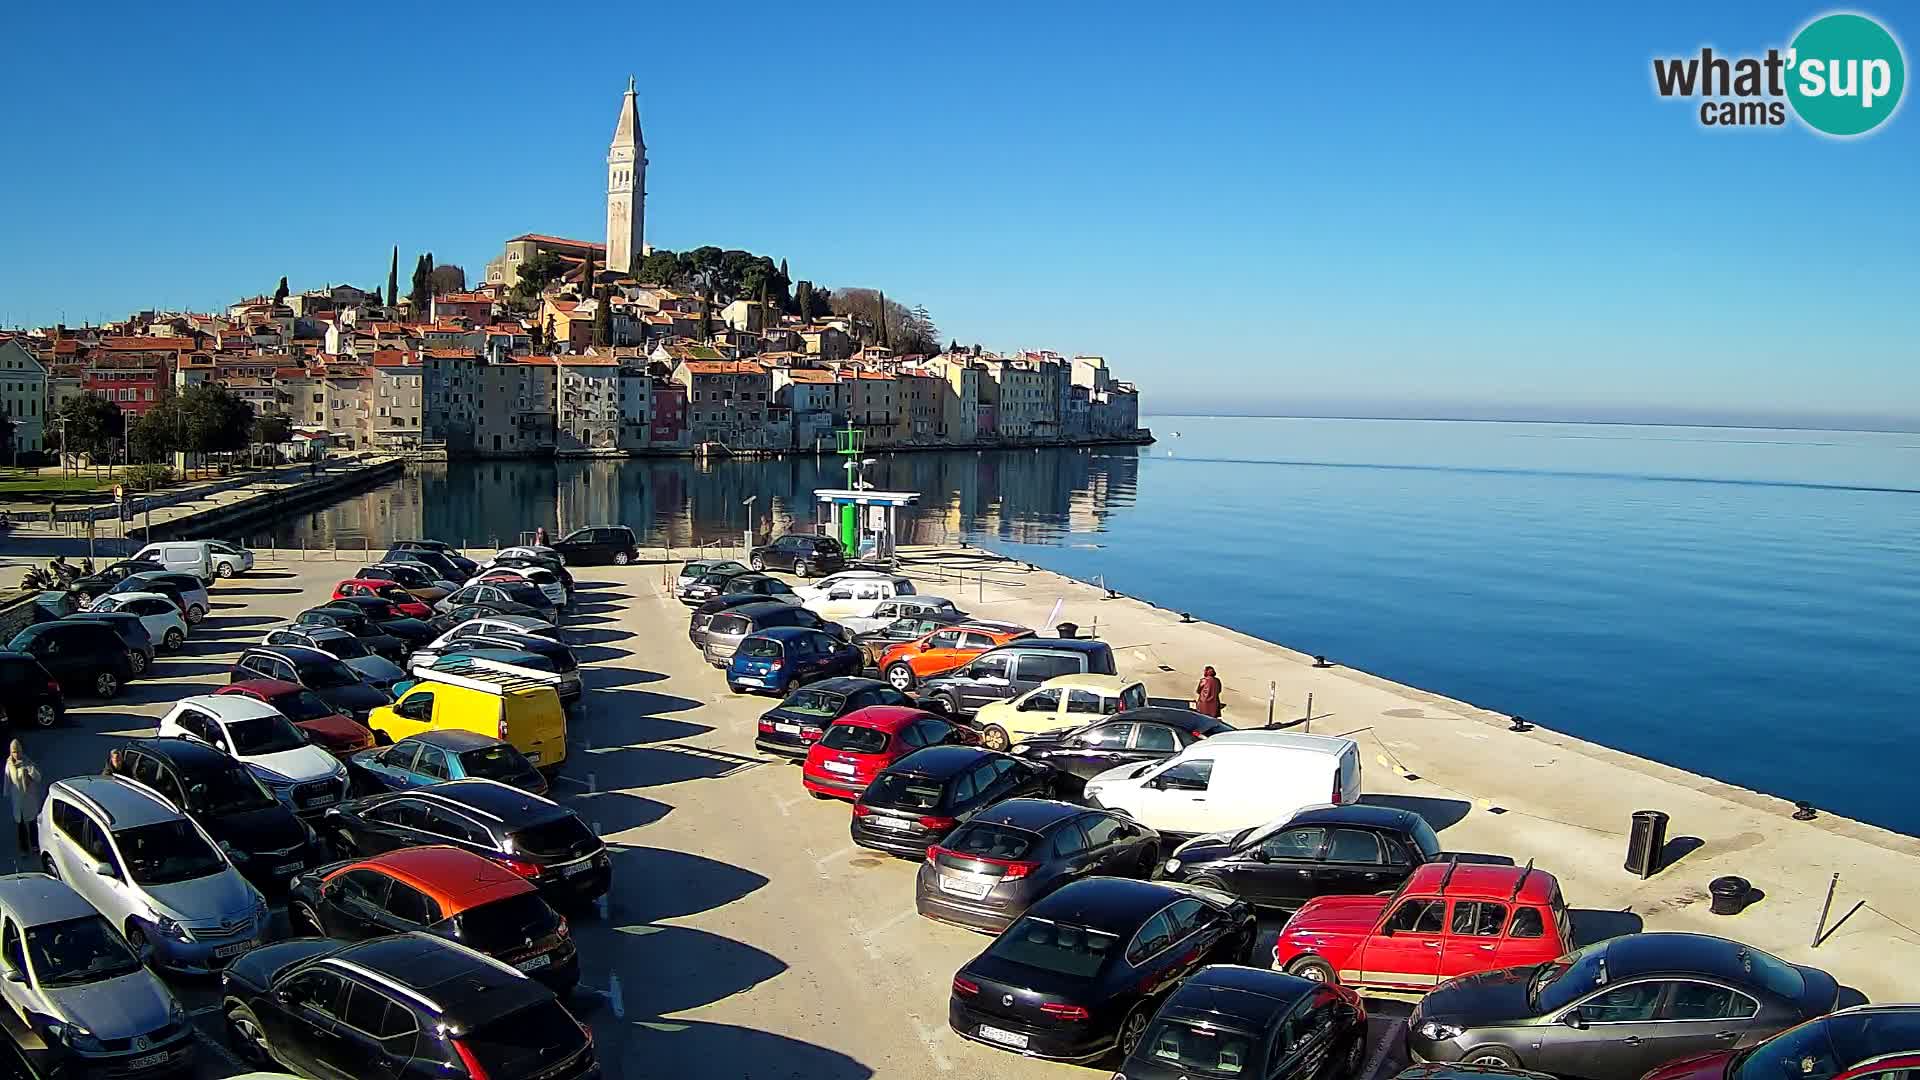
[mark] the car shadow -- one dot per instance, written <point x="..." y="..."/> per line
<point x="662" y="765"/>
<point x="232" y="622"/>
<point x="609" y="813"/>
<point x="175" y="666"/>
<point x="597" y="607"/>
<point x="1440" y="813"/>
<point x="605" y="678"/>
<point x="596" y="654"/>
<point x="700" y="1048"/>
<point x="222" y="591"/>
<point x="635" y="730"/>
<point x="677" y="884"/>
<point x="1597" y="924"/>
<point x="577" y="637"/>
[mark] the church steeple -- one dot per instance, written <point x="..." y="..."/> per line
<point x="626" y="187"/>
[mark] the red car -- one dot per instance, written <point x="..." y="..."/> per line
<point x="336" y="734"/>
<point x="1866" y="1042"/>
<point x="1447" y="919"/>
<point x="404" y="602"/>
<point x="858" y="745"/>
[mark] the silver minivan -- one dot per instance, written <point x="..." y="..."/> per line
<point x="205" y="559"/>
<point x="734" y="625"/>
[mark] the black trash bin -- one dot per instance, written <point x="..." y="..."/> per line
<point x="1730" y="894"/>
<point x="1645" y="841"/>
<point x="1068" y="630"/>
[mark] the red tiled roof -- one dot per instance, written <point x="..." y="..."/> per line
<point x="810" y="375"/>
<point x="542" y="238"/>
<point x="724" y="367"/>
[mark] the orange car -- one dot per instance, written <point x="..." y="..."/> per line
<point x="904" y="665"/>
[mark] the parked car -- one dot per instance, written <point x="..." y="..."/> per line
<point x="598" y="546"/>
<point x="510" y="703"/>
<point x="448" y="571"/>
<point x="260" y="834"/>
<point x="331" y="730"/>
<point x="1232" y="781"/>
<point x="1865" y="1042"/>
<point x="438" y="550"/>
<point x="132" y="631"/>
<point x="1080" y="975"/>
<point x="487" y="622"/>
<point x="343" y="646"/>
<point x="996" y="866"/>
<point x="944" y="649"/>
<point x="1059" y="704"/>
<point x="486" y="609"/>
<point x="534" y="837"/>
<point x="186" y="591"/>
<point x="428" y="1006"/>
<point x="791" y="727"/>
<point x="1620" y="1007"/>
<point x="528" y="558"/>
<point x="336" y="684"/>
<point x="387" y="618"/>
<point x="29" y="694"/>
<point x="1446" y="919"/>
<point x="765" y="586"/>
<point x="1132" y="737"/>
<point x="856" y="747"/>
<point x="539" y="577"/>
<point x="301" y="775"/>
<point x="715" y="583"/>
<point x="802" y="553"/>
<point x="159" y="617"/>
<point x="916" y="801"/>
<point x="856" y="596"/>
<point x="72" y="979"/>
<point x="440" y="890"/>
<point x="181" y="557"/>
<point x="83" y="657"/>
<point x="355" y="622"/>
<point x="784" y="657"/>
<point x="416" y="578"/>
<point x="1009" y="670"/>
<point x="152" y="872"/>
<point x="875" y="643"/>
<point x="404" y="603"/>
<point x="729" y="628"/>
<point x="694" y="569"/>
<point x="1228" y="1020"/>
<point x="703" y="615"/>
<point x="1320" y="851"/>
<point x="553" y="657"/>
<point x="432" y="757"/>
<point x="92" y="585"/>
<point x="489" y="593"/>
<point x="885" y="612"/>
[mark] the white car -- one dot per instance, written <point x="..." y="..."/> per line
<point x="157" y="613"/>
<point x="300" y="774"/>
<point x="546" y="581"/>
<point x="1232" y="781"/>
<point x="422" y="658"/>
<point x="900" y="607"/>
<point x="854" y="597"/>
<point x="531" y="551"/>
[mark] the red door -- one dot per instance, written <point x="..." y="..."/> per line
<point x="1407" y="949"/>
<point x="1475" y="931"/>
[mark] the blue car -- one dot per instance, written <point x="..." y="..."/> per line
<point x="433" y="757"/>
<point x="776" y="660"/>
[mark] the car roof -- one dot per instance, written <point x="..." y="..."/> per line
<point x="1479" y="881"/>
<point x="1245" y="997"/>
<point x="844" y="684"/>
<point x="990" y="626"/>
<point x="784" y="633"/>
<point x="1030" y="814"/>
<point x="36" y="899"/>
<point x="267" y="687"/>
<point x="1323" y="744"/>
<point x="228" y="708"/>
<point x="455" y="739"/>
<point x="1185" y="719"/>
<point x="731" y="600"/>
<point x="511" y="805"/>
<point x="136" y="595"/>
<point x="1079" y="645"/>
<point x="1116" y="905"/>
<point x="1379" y="817"/>
<point x="369" y="582"/>
<point x="457" y="879"/>
<point x="765" y="608"/>
<point x="1637" y="954"/>
<point x="461" y="986"/>
<point x="1110" y="684"/>
<point x="125" y="806"/>
<point x="183" y="753"/>
<point x="296" y="654"/>
<point x="942" y="762"/>
<point x="888" y="718"/>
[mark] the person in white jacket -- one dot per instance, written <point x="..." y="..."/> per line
<point x="28" y="789"/>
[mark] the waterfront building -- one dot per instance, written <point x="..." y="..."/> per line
<point x="397" y="394"/>
<point x="588" y="411"/>
<point x="636" y="413"/>
<point x="807" y="395"/>
<point x="131" y="381"/>
<point x="959" y="397"/>
<point x="728" y="403"/>
<point x="23" y="397"/>
<point x="667" y="409"/>
<point x="868" y="400"/>
<point x="348" y="388"/>
<point x="917" y="411"/>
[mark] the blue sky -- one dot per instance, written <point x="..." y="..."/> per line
<point x="1459" y="209"/>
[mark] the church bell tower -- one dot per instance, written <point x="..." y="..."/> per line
<point x="626" y="189"/>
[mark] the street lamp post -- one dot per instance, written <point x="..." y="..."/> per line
<point x="748" y="546"/>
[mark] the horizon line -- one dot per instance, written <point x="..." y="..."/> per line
<point x="1517" y="420"/>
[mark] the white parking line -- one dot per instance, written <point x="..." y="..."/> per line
<point x="930" y="1038"/>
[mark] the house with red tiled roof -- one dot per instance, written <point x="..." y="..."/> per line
<point x="731" y="402"/>
<point x="505" y="270"/>
<point x="807" y="396"/>
<point x="474" y="308"/>
<point x="868" y="400"/>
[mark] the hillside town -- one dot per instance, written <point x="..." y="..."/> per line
<point x="576" y="348"/>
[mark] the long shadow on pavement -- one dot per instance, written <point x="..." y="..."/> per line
<point x="663" y="884"/>
<point x="636" y="730"/>
<point x="627" y="767"/>
<point x="703" y="1049"/>
<point x="1597" y="924"/>
<point x="1440" y="813"/>
<point x="610" y="813"/>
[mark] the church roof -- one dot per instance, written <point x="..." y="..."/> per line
<point x="627" y="131"/>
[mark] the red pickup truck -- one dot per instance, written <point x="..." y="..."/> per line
<point x="1448" y="919"/>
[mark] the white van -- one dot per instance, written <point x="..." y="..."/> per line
<point x="1233" y="781"/>
<point x="205" y="559"/>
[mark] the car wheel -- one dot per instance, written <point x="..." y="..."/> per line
<point x="173" y="639"/>
<point x="138" y="661"/>
<point x="45" y="715"/>
<point x="621" y="558"/>
<point x="756" y="562"/>
<point x="303" y="921"/>
<point x="1497" y="1056"/>
<point x="381" y="738"/>
<point x="136" y="937"/>
<point x="818" y="795"/>
<point x="243" y="1030"/>
<point x="1134" y="1026"/>
<point x="1356" y="1058"/>
<point x="1208" y="881"/>
<point x="900" y="676"/>
<point x="195" y="613"/>
<point x="995" y="738"/>
<point x="950" y="705"/>
<point x="223" y="569"/>
<point x="106" y="684"/>
<point x="46" y="862"/>
<point x="1313" y="969"/>
<point x="803" y="568"/>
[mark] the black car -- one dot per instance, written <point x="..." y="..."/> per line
<point x="1081" y="973"/>
<point x="492" y="593"/>
<point x="1620" y="1007"/>
<point x="792" y="727"/>
<point x="1320" y="851"/>
<point x="266" y="842"/>
<point x="411" y="576"/>
<point x="702" y="615"/>
<point x="355" y="622"/>
<point x="333" y="681"/>
<point x="1136" y="735"/>
<point x="875" y="643"/>
<point x="723" y="583"/>
<point x="112" y="574"/>
<point x="126" y="622"/>
<point x="438" y="550"/>
<point x="915" y="802"/>
<point x="29" y="694"/>
<point x="803" y="553"/>
<point x="533" y="836"/>
<point x="409" y="1006"/>
<point x="453" y="617"/>
<point x="383" y="617"/>
<point x="988" y="871"/>
<point x="83" y="657"/>
<point x="598" y="545"/>
<point x="1228" y="1020"/>
<point x="1006" y="672"/>
<point x="443" y="567"/>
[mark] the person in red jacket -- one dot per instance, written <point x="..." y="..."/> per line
<point x="1206" y="696"/>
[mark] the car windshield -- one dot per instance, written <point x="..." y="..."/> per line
<point x="344" y="647"/>
<point x="228" y="789"/>
<point x="224" y="549"/>
<point x="521" y="592"/>
<point x="991" y="841"/>
<point x="714" y="580"/>
<point x="81" y="950"/>
<point x="265" y="735"/>
<point x="726" y="625"/>
<point x="166" y="852"/>
<point x="904" y="791"/>
<point x="327" y="676"/>
<point x="302" y="705"/>
<point x="813" y="703"/>
<point x="505" y="925"/>
<point x="855" y="739"/>
<point x="1556" y="984"/>
<point x="761" y="648"/>
<point x="1058" y="947"/>
<point x="502" y="763"/>
<point x="1196" y="1048"/>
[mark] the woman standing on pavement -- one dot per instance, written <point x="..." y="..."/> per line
<point x="27" y="788"/>
<point x="1206" y="696"/>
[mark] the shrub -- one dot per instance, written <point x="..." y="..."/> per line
<point x="147" y="477"/>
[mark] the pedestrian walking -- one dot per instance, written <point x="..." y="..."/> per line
<point x="27" y="788"/>
<point x="1206" y="696"/>
<point x="540" y="536"/>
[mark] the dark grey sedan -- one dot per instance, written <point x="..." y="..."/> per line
<point x="1620" y="1007"/>
<point x="991" y="869"/>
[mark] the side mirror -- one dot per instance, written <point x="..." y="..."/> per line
<point x="105" y="870"/>
<point x="1573" y="1020"/>
<point x="1387" y="931"/>
<point x="1259" y="854"/>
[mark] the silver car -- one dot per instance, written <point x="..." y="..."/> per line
<point x="344" y="646"/>
<point x="729" y="628"/>
<point x="82" y="988"/>
<point x="152" y="872"/>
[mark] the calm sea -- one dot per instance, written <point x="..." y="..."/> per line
<point x="1742" y="603"/>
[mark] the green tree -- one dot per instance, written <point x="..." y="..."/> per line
<point x="539" y="272"/>
<point x="377" y="301"/>
<point x="586" y="275"/>
<point x="93" y="426"/>
<point x="271" y="428"/>
<point x="156" y="433"/>
<point x="603" y="317"/>
<point x="447" y="278"/>
<point x="393" y="277"/>
<point x="803" y="300"/>
<point x="280" y="292"/>
<point x="6" y="434"/>
<point x="422" y="290"/>
<point x="660" y="268"/>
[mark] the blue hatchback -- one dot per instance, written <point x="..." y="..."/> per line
<point x="434" y="757"/>
<point x="779" y="659"/>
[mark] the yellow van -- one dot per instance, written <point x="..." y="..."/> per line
<point x="517" y="705"/>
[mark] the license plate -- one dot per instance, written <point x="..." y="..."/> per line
<point x="787" y="729"/>
<point x="225" y="951"/>
<point x="960" y="886"/>
<point x="888" y="822"/>
<point x="323" y="800"/>
<point x="751" y="680"/>
<point x="840" y="767"/>
<point x="148" y="1061"/>
<point x="535" y="964"/>
<point x="1004" y="1038"/>
<point x="578" y="868"/>
<point x="288" y="869"/>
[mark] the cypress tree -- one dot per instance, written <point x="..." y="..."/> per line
<point x="393" y="277"/>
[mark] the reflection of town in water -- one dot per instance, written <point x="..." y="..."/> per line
<point x="1028" y="496"/>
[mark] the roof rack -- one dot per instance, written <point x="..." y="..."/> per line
<point x="1520" y="881"/>
<point x="492" y="676"/>
<point x="1446" y="877"/>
